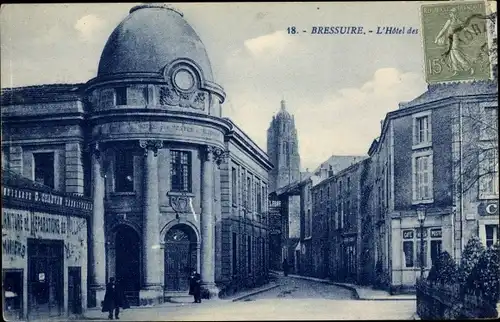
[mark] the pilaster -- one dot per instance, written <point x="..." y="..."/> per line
<point x="98" y="260"/>
<point x="211" y="156"/>
<point x="151" y="290"/>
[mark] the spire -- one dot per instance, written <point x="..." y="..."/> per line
<point x="283" y="107"/>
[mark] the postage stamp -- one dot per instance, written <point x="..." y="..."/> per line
<point x="455" y="41"/>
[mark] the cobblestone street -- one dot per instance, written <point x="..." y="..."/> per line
<point x="293" y="299"/>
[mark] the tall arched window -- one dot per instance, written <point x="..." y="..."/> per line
<point x="285" y="152"/>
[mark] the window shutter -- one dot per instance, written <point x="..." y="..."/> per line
<point x="431" y="177"/>
<point x="414" y="177"/>
<point x="415" y="130"/>
<point x="429" y="128"/>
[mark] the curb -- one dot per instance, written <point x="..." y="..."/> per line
<point x="254" y="293"/>
<point x="350" y="288"/>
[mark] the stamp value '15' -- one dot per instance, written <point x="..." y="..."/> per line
<point x="455" y="41"/>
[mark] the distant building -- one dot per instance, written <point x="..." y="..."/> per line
<point x="283" y="151"/>
<point x="310" y="254"/>
<point x="175" y="186"/>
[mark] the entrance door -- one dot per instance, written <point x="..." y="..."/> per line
<point x="128" y="262"/>
<point x="74" y="290"/>
<point x="180" y="258"/>
<point x="45" y="278"/>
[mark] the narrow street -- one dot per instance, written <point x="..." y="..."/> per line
<point x="293" y="299"/>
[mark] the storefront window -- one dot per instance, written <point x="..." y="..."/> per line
<point x="419" y="252"/>
<point x="412" y="246"/>
<point x="13" y="294"/>
<point x="436" y="246"/>
<point x="491" y="234"/>
<point x="408" y="253"/>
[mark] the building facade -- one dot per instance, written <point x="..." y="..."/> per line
<point x="175" y="186"/>
<point x="447" y="164"/>
<point x="44" y="250"/>
<point x="359" y="223"/>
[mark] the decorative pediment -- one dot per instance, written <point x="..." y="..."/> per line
<point x="170" y="96"/>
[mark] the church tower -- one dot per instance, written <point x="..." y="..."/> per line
<point x="283" y="149"/>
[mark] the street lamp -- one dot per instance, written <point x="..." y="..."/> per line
<point x="421" y="212"/>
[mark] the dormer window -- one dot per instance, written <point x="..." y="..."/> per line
<point x="121" y="95"/>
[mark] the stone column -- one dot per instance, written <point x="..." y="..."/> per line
<point x="98" y="264"/>
<point x="151" y="272"/>
<point x="207" y="223"/>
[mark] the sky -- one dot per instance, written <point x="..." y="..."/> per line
<point x="338" y="87"/>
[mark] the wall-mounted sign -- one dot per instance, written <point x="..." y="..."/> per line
<point x="407" y="234"/>
<point x="488" y="208"/>
<point x="37" y="197"/>
<point x="418" y="233"/>
<point x="41" y="277"/>
<point x="436" y="233"/>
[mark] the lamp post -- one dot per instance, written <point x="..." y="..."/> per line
<point x="421" y="212"/>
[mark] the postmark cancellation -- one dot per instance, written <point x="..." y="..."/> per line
<point x="455" y="41"/>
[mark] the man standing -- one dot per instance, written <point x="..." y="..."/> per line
<point x="114" y="299"/>
<point x="195" y="286"/>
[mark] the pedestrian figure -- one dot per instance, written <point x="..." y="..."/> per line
<point x="195" y="286"/>
<point x="114" y="299"/>
<point x="285" y="267"/>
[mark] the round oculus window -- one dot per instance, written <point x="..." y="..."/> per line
<point x="184" y="79"/>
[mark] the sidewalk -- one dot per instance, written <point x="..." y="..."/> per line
<point x="96" y="314"/>
<point x="360" y="292"/>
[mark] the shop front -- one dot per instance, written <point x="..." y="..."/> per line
<point x="44" y="253"/>
<point x="410" y="238"/>
<point x="488" y="222"/>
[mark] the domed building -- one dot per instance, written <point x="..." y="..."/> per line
<point x="175" y="186"/>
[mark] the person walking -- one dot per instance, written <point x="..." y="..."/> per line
<point x="285" y="267"/>
<point x="114" y="298"/>
<point x="195" y="286"/>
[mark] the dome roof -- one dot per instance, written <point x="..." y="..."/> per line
<point x="148" y="39"/>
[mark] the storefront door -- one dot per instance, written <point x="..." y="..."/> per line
<point x="180" y="258"/>
<point x="45" y="278"/>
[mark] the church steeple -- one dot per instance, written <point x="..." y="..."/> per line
<point x="282" y="148"/>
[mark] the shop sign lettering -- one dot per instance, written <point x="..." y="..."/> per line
<point x="46" y="224"/>
<point x="436" y="233"/>
<point x="47" y="198"/>
<point x="13" y="248"/>
<point x="33" y="223"/>
<point x="274" y="203"/>
<point x="407" y="234"/>
<point x="489" y="208"/>
<point x="418" y="233"/>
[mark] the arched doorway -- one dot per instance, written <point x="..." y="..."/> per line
<point x="128" y="262"/>
<point x="180" y="257"/>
